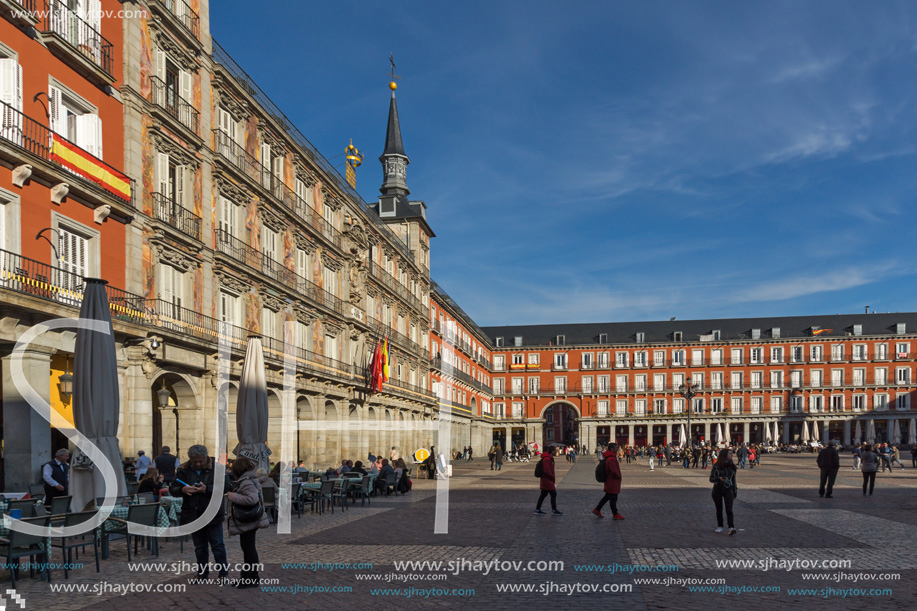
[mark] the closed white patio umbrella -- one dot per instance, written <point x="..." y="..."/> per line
<point x="726" y="433"/>
<point x="858" y="434"/>
<point x="251" y="409"/>
<point x="719" y="434"/>
<point x="896" y="432"/>
<point x="767" y="434"/>
<point x="815" y="431"/>
<point x="683" y="436"/>
<point x="870" y="431"/>
<point x="804" y="436"/>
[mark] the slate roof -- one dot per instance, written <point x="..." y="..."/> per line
<point x="840" y="325"/>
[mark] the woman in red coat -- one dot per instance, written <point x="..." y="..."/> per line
<point x="547" y="481"/>
<point x="612" y="485"/>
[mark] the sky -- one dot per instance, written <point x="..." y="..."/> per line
<point x="622" y="161"/>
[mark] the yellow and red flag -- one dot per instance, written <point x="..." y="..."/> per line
<point x="385" y="370"/>
<point x="820" y="331"/>
<point x="92" y="168"/>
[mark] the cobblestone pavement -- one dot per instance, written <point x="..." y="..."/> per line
<point x="667" y="534"/>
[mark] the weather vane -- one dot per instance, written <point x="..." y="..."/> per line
<point x="393" y="85"/>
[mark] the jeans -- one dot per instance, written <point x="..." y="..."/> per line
<point x="611" y="499"/>
<point x="212" y="535"/>
<point x="704" y="461"/>
<point x="542" y="496"/>
<point x="249" y="554"/>
<point x="856" y="463"/>
<point x="869" y="478"/>
<point x="827" y="478"/>
<point x="723" y="496"/>
<point x="651" y="463"/>
<point x="743" y="461"/>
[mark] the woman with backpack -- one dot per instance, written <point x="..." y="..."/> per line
<point x="609" y="472"/>
<point x="247" y="517"/>
<point x="723" y="478"/>
<point x="544" y="470"/>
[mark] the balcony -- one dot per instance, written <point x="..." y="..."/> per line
<point x="398" y="338"/>
<point x="393" y="285"/>
<point x="259" y="175"/>
<point x="263" y="263"/>
<point x="177" y="216"/>
<point x="20" y="11"/>
<point x="76" y="42"/>
<point x="166" y="98"/>
<point x="60" y="160"/>
<point x="458" y="374"/>
<point x="183" y="13"/>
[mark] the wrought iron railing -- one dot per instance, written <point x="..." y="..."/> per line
<point x="389" y="282"/>
<point x="77" y="33"/>
<point x="177" y="107"/>
<point x="37" y="139"/>
<point x="183" y="11"/>
<point x="176" y="215"/>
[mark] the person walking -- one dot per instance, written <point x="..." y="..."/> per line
<point x="914" y="456"/>
<point x="895" y="457"/>
<point x="743" y="456"/>
<point x="668" y="455"/>
<point x="869" y="468"/>
<point x="612" y="485"/>
<point x="704" y="456"/>
<point x="856" y="457"/>
<point x="828" y="462"/>
<point x="498" y="457"/>
<point x="194" y="482"/>
<point x="246" y="495"/>
<point x="492" y="456"/>
<point x="143" y="463"/>
<point x="547" y="483"/>
<point x="723" y="478"/>
<point x="752" y="457"/>
<point x="470" y="454"/>
<point x="660" y="456"/>
<point x="651" y="456"/>
<point x="695" y="456"/>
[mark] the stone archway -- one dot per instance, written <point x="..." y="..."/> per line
<point x="560" y="422"/>
<point x="167" y="420"/>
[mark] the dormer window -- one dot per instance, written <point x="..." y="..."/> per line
<point x="641" y="337"/>
<point x="901" y="328"/>
<point x="756" y="333"/>
<point x="561" y="340"/>
<point x="677" y="336"/>
<point x="775" y="333"/>
<point x="858" y="329"/>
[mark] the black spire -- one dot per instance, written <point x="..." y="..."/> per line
<point x="393" y="143"/>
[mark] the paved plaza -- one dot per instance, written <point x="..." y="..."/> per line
<point x="669" y="525"/>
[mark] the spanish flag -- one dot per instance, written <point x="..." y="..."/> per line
<point x="92" y="168"/>
<point x="385" y="360"/>
<point x="820" y="331"/>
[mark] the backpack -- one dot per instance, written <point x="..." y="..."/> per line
<point x="600" y="473"/>
<point x="539" y="469"/>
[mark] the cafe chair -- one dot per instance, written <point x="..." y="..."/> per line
<point x="77" y="542"/>
<point x="18" y="545"/>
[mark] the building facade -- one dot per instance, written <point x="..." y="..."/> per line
<point x="785" y="380"/>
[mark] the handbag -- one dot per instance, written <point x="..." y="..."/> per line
<point x="249" y="514"/>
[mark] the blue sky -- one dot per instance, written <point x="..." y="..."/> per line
<point x="599" y="161"/>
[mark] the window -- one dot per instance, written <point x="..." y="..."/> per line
<point x="11" y="94"/>
<point x="678" y="406"/>
<point x="697" y="405"/>
<point x="736" y="380"/>
<point x="228" y="214"/>
<point x="756" y="355"/>
<point x="517" y="386"/>
<point x="268" y="323"/>
<point x="602" y="409"/>
<point x="587" y="384"/>
<point x="837" y="377"/>
<point x="775" y="333"/>
<point x="499" y="361"/>
<point x="881" y="352"/>
<point x="499" y="342"/>
<point x="560" y="360"/>
<point x="621" y="383"/>
<point x="621" y="407"/>
<point x="716" y="357"/>
<point x="678" y="358"/>
<point x="756" y="333"/>
<point x="659" y="406"/>
<point x="859" y="377"/>
<point x="560" y="385"/>
<point x="736" y="356"/>
<point x="75" y="119"/>
<point x="230" y="309"/>
<point x="816" y="404"/>
<point x="641" y="337"/>
<point x="587" y="360"/>
<point x="173" y="91"/>
<point x="640" y="359"/>
<point x="677" y="336"/>
<point x="903" y="375"/>
<point x="879" y="402"/>
<point x="73" y="250"/>
<point x="815" y="353"/>
<point x="533" y="358"/>
<point x="517" y="410"/>
<point x="736" y="405"/>
<point x="499" y="410"/>
<point x="777" y="354"/>
<point x="678" y="379"/>
<point x="859" y="352"/>
<point x="901" y="328"/>
<point x="837" y="352"/>
<point x="658" y="358"/>
<point x="903" y="402"/>
<point x="776" y="379"/>
<point x="776" y="405"/>
<point x="9" y="221"/>
<point x="716" y="405"/>
<point x="603" y="338"/>
<point x="796" y="379"/>
<point x="697" y="357"/>
<point x="796" y="354"/>
<point x="815" y="378"/>
<point x="659" y="381"/>
<point x="697" y="379"/>
<point x="499" y="386"/>
<point x="561" y="340"/>
<point x="533" y="386"/>
<point x="881" y="376"/>
<point x="858" y="329"/>
<point x="756" y="379"/>
<point x="640" y="382"/>
<point x="604" y="384"/>
<point x="716" y="380"/>
<point x="837" y="403"/>
<point x="755" y="407"/>
<point x="902" y="350"/>
<point x="269" y="243"/>
<point x="518" y="360"/>
<point x="171" y="288"/>
<point x="549" y="434"/>
<point x="640" y="407"/>
<point x="796" y="404"/>
<point x="621" y="359"/>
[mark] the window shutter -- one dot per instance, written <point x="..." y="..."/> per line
<point x="278" y="168"/>
<point x="266" y="155"/>
<point x="160" y="59"/>
<point x="58" y="122"/>
<point x="165" y="283"/>
<point x="185" y="85"/>
<point x="181" y="178"/>
<point x="89" y="134"/>
<point x="11" y="83"/>
<point x="72" y="251"/>
<point x="162" y="174"/>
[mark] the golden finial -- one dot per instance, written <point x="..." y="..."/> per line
<point x="393" y="85"/>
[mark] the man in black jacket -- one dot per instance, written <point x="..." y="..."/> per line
<point x="194" y="481"/>
<point x="165" y="463"/>
<point x="829" y="463"/>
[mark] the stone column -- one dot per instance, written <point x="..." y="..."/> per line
<point x="848" y="434"/>
<point x="786" y="432"/>
<point x="668" y="433"/>
<point x="706" y="433"/>
<point x="27" y="436"/>
<point x="630" y="434"/>
<point x="826" y="431"/>
<point x="889" y="430"/>
<point x="746" y="431"/>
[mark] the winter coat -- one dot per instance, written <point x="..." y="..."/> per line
<point x="870" y="462"/>
<point x="194" y="505"/>
<point x="245" y="494"/>
<point x="498" y="454"/>
<point x="828" y="459"/>
<point x="547" y="473"/>
<point x="612" y="473"/>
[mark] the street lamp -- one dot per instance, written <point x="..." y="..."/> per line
<point x="689" y="391"/>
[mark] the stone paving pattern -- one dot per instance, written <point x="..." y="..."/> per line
<point x="670" y="521"/>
